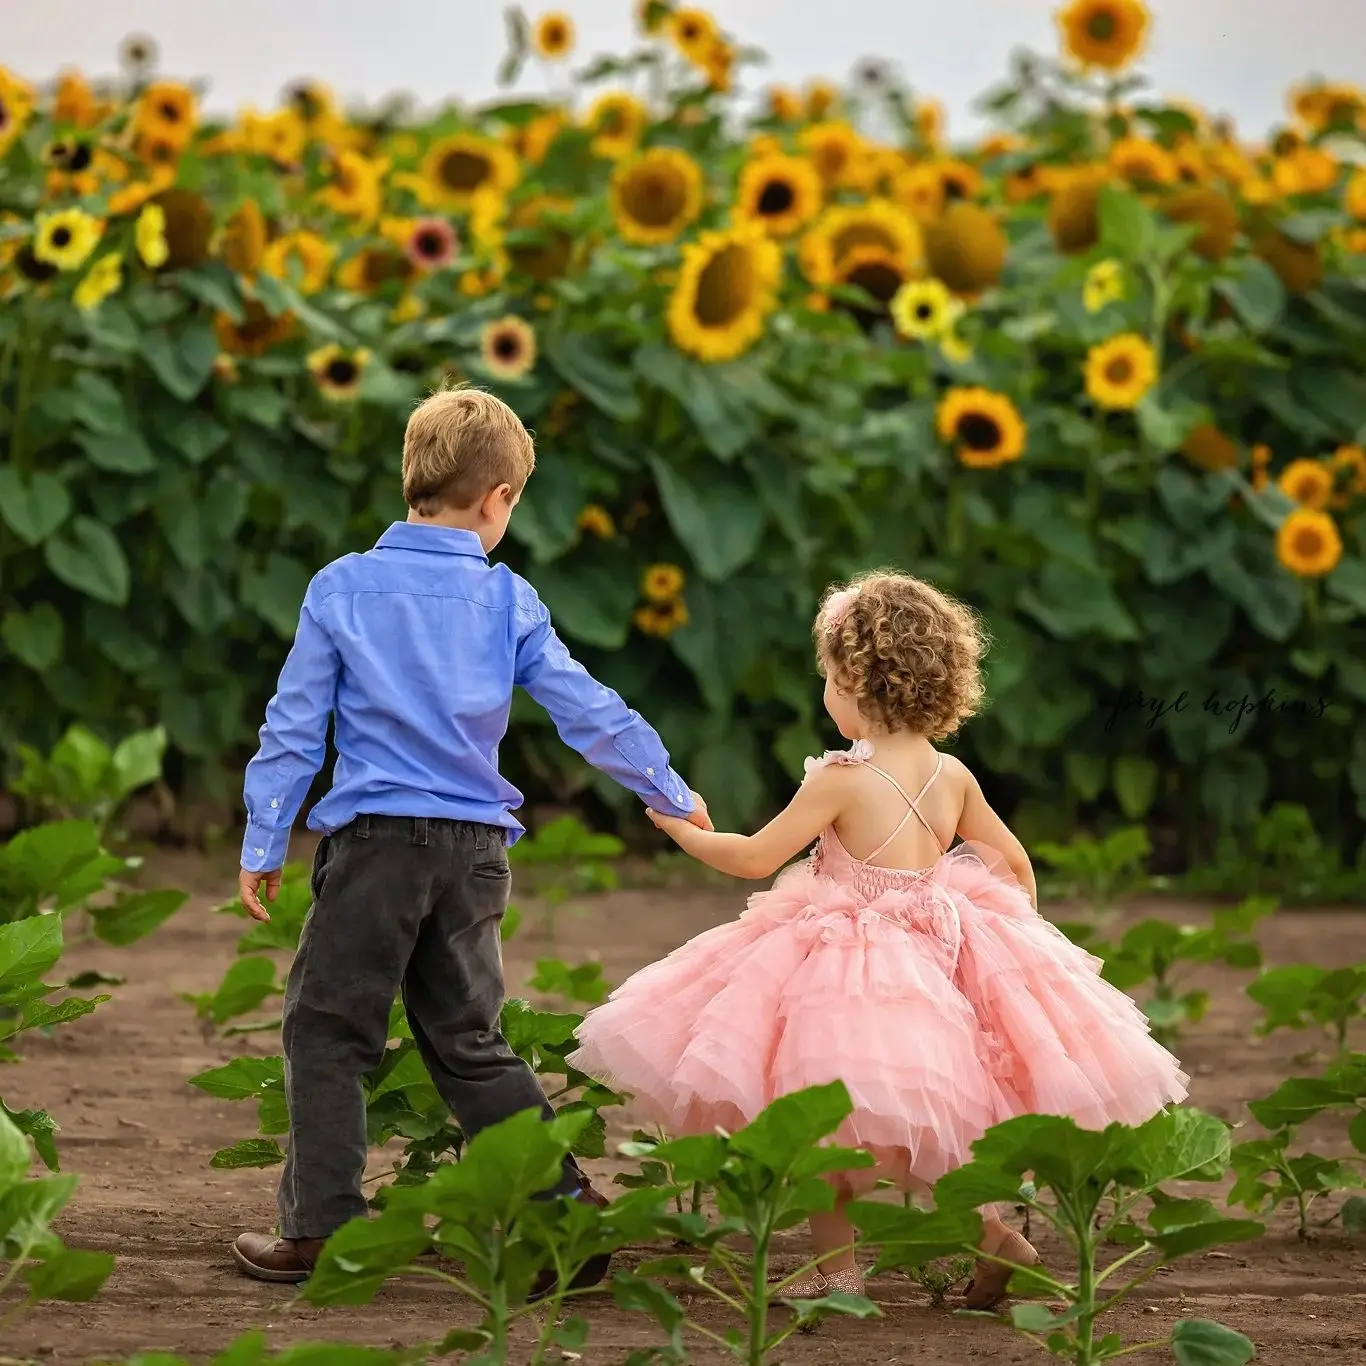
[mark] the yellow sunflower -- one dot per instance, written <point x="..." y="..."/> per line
<point x="920" y="191"/>
<point x="1308" y="483"/>
<point x="550" y="257"/>
<point x="281" y="136"/>
<point x="1299" y="264"/>
<point x="1349" y="467"/>
<point x="1210" y="449"/>
<point x="74" y="103"/>
<point x="929" y="123"/>
<point x="552" y="36"/>
<point x="960" y="181"/>
<point x="1354" y="195"/>
<point x="833" y="149"/>
<point x="256" y="334"/>
<point x="1104" y="285"/>
<point x="167" y="112"/>
<point x="597" y="522"/>
<point x="727" y="286"/>
<point x="149" y="236"/>
<point x="966" y="248"/>
<point x="1308" y="543"/>
<point x="693" y="32"/>
<point x="372" y="269"/>
<point x="661" y="619"/>
<point x="1141" y="161"/>
<point x="16" y="105"/>
<point x="1028" y="182"/>
<point x="1307" y="170"/>
<point x="822" y="100"/>
<point x="1074" y="208"/>
<point x="1261" y="459"/>
<point x="662" y="583"/>
<point x="924" y="309"/>
<point x="1212" y="213"/>
<point x="843" y="227"/>
<point x="879" y="274"/>
<point x="459" y="167"/>
<point x="616" y="121"/>
<point x="186" y="223"/>
<point x="783" y="193"/>
<point x="656" y="195"/>
<point x="507" y="347"/>
<point x="302" y="256"/>
<point x="955" y="349"/>
<point x="244" y="239"/>
<point x="784" y="104"/>
<point x="356" y="186"/>
<point x="104" y="278"/>
<point x="65" y="239"/>
<point x="1104" y="33"/>
<point x="1120" y="371"/>
<point x="985" y="427"/>
<point x="536" y="137"/>
<point x="338" y="372"/>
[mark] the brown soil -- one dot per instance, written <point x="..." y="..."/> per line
<point x="141" y="1139"/>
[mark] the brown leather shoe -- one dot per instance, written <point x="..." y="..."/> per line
<point x="593" y="1271"/>
<point x="285" y="1260"/>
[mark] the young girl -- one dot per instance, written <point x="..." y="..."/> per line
<point x="921" y="977"/>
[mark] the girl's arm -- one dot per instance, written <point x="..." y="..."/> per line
<point x="979" y="822"/>
<point x="819" y="800"/>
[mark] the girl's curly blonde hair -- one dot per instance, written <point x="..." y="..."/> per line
<point x="910" y="654"/>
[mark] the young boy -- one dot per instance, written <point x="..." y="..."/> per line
<point x="415" y="647"/>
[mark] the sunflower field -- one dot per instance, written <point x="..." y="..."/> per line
<point x="1101" y="372"/>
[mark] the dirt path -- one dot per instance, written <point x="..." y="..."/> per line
<point x="140" y="1138"/>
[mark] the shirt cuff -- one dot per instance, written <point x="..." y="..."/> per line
<point x="657" y="785"/>
<point x="263" y="851"/>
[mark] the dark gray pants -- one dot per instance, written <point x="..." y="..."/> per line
<point x="399" y="904"/>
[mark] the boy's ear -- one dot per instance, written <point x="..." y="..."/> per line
<point x="495" y="500"/>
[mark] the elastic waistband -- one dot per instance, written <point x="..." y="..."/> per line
<point x="425" y="830"/>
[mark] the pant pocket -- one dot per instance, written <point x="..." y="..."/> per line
<point x="320" y="858"/>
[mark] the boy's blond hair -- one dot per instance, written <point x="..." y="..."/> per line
<point x="460" y="444"/>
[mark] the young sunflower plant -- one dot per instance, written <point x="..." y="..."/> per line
<point x="1076" y="370"/>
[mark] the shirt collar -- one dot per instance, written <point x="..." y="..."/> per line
<point x="444" y="540"/>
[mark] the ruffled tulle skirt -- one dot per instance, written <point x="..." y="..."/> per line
<point x="945" y="1006"/>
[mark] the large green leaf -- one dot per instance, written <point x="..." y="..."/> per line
<point x="720" y="406"/>
<point x="1270" y="597"/>
<point x="34" y="637"/>
<point x="1255" y="292"/>
<point x="1201" y="1342"/>
<point x="34" y="507"/>
<point x="1071" y="601"/>
<point x="123" y="452"/>
<point x="1348" y="582"/>
<point x="87" y="557"/>
<point x="581" y="363"/>
<point x="28" y="948"/>
<point x="275" y="591"/>
<point x="591" y="603"/>
<point x="718" y="517"/>
<point x="134" y="915"/>
<point x="181" y="356"/>
<point x="97" y="404"/>
<point x="194" y="434"/>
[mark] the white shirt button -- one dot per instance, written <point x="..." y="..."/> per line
<point x="274" y="802"/>
<point x="649" y="773"/>
<point x="260" y="853"/>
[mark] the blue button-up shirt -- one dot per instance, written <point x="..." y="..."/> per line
<point x="415" y="647"/>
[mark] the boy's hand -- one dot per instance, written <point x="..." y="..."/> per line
<point x="700" y="816"/>
<point x="249" y="891"/>
<point x="674" y="826"/>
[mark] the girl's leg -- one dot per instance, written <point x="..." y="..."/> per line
<point x="832" y="1233"/>
<point x="990" y="1279"/>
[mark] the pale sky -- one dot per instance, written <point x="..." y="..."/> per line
<point x="1232" y="56"/>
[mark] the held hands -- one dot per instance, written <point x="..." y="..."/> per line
<point x="700" y="816"/>
<point x="249" y="891"/>
<point x="678" y="829"/>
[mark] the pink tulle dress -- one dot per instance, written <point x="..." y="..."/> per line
<point x="938" y="995"/>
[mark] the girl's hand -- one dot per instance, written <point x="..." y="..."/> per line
<point x="676" y="828"/>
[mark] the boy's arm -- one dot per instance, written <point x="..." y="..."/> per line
<point x="293" y="742"/>
<point x="591" y="718"/>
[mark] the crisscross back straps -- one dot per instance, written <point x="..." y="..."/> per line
<point x="913" y="803"/>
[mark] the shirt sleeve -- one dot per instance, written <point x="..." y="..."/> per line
<point x="593" y="719"/>
<point x="293" y="741"/>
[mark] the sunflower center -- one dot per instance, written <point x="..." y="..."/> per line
<point x="776" y="197"/>
<point x="170" y="111"/>
<point x="655" y="198"/>
<point x="1102" y="25"/>
<point x="554" y="33"/>
<point x="690" y="30"/>
<point x="429" y="243"/>
<point x="80" y="158"/>
<point x="924" y="312"/>
<point x="162" y="152"/>
<point x="979" y="432"/>
<point x="61" y="237"/>
<point x="725" y="287"/>
<point x="954" y="188"/>
<point x="464" y="171"/>
<point x="341" y="371"/>
<point x="1308" y="543"/>
<point x="1120" y="370"/>
<point x="880" y="279"/>
<point x="507" y="346"/>
<point x="861" y="235"/>
<point x="4" y="115"/>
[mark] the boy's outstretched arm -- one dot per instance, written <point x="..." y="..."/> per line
<point x="293" y="744"/>
<point x="593" y="720"/>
